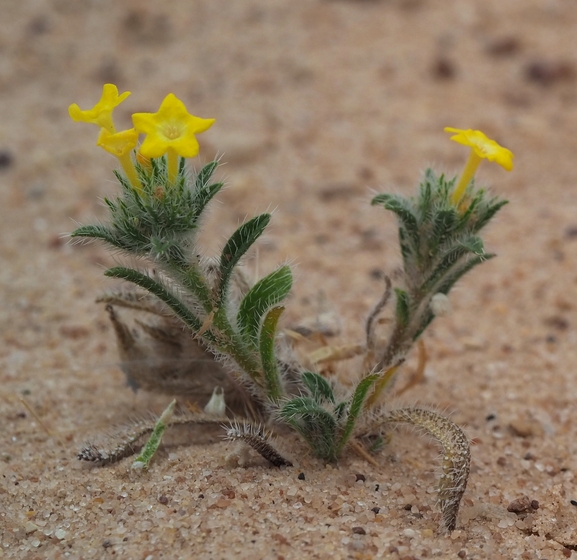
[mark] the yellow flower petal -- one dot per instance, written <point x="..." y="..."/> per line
<point x="101" y="113"/>
<point x="484" y="147"/>
<point x="171" y="128"/>
<point x="118" y="144"/>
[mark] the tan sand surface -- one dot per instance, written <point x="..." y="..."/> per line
<point x="318" y="104"/>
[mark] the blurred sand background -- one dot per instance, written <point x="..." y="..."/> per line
<point x="318" y="104"/>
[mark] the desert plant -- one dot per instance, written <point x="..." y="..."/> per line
<point x="157" y="217"/>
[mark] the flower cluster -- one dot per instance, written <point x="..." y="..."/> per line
<point x="169" y="131"/>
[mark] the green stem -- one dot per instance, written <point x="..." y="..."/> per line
<point x="234" y="345"/>
<point x="229" y="340"/>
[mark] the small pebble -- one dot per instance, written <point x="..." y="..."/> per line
<point x="6" y="159"/>
<point x="361" y="477"/>
<point x="301" y="476"/>
<point x="521" y="505"/>
<point x="359" y="531"/>
<point x="410" y="533"/>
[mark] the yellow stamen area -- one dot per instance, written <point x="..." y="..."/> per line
<point x="481" y="148"/>
<point x="121" y="145"/>
<point x="170" y="131"/>
<point x="101" y="113"/>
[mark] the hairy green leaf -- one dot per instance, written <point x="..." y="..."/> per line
<point x="98" y="232"/>
<point x="266" y="293"/>
<point x="319" y="388"/>
<point x="315" y="424"/>
<point x="205" y="174"/>
<point x="160" y="291"/>
<point x="404" y="210"/>
<point x="238" y="244"/>
<point x="355" y="407"/>
<point x="470" y="244"/>
<point x="267" y="353"/>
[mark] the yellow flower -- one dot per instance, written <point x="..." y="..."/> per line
<point x="101" y="113"/>
<point x="481" y="148"/>
<point x="121" y="145"/>
<point x="118" y="144"/>
<point x="484" y="147"/>
<point x="170" y="131"/>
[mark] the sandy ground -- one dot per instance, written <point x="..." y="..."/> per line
<point x="318" y="103"/>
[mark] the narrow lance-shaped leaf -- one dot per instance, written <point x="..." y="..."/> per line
<point x="471" y="244"/>
<point x="450" y="279"/>
<point x="238" y="244"/>
<point x="355" y="407"/>
<point x="444" y="222"/>
<point x="266" y="293"/>
<point x="315" y="424"/>
<point x="205" y="174"/>
<point x="98" y="232"/>
<point x="157" y="289"/>
<point x="404" y="210"/>
<point x="492" y="209"/>
<point x="150" y="447"/>
<point x="267" y="354"/>
<point x="204" y="196"/>
<point x="203" y="192"/>
<point x="320" y="389"/>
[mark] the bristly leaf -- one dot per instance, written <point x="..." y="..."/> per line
<point x="204" y="196"/>
<point x="444" y="223"/>
<point x="238" y="244"/>
<point x="355" y="407"/>
<point x="450" y="279"/>
<point x="404" y="210"/>
<point x="315" y="424"/>
<point x="157" y="289"/>
<point x="203" y="192"/>
<point x="493" y="206"/>
<point x="266" y="293"/>
<point x="267" y="354"/>
<point x="205" y="174"/>
<point x="451" y="257"/>
<point x="319" y="388"/>
<point x="98" y="232"/>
